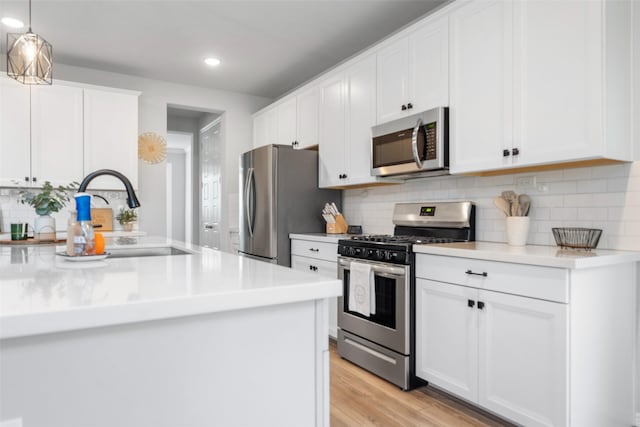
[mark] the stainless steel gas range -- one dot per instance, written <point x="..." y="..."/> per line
<point x="376" y="314"/>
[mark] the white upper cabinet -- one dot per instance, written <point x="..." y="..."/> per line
<point x="15" y="134"/>
<point x="413" y="72"/>
<point x="56" y="134"/>
<point x="481" y="88"/>
<point x="331" y="154"/>
<point x="61" y="132"/>
<point x="539" y="82"/>
<point x="287" y="118"/>
<point x="308" y="103"/>
<point x="110" y="136"/>
<point x="347" y="112"/>
<point x="293" y="121"/>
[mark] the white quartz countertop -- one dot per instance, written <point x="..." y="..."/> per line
<point x="548" y="256"/>
<point x="320" y="237"/>
<point x="41" y="292"/>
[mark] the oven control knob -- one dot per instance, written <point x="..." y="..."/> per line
<point x="390" y="255"/>
<point x="379" y="254"/>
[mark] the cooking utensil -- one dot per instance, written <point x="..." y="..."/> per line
<point x="503" y="205"/>
<point x="525" y="204"/>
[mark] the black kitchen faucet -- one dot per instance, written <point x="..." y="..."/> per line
<point x="132" y="199"/>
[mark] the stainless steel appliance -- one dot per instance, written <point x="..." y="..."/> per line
<point x="413" y="146"/>
<point x="384" y="342"/>
<point x="279" y="195"/>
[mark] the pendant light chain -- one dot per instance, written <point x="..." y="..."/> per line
<point x="29" y="15"/>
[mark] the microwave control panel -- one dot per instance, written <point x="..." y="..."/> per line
<point x="431" y="140"/>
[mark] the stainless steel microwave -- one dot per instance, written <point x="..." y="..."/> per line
<point x="413" y="146"/>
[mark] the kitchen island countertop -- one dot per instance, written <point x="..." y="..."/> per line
<point x="547" y="256"/>
<point x="41" y="292"/>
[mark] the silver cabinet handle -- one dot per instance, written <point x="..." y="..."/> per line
<point x="414" y="143"/>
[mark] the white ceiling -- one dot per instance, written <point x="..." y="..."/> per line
<point x="267" y="47"/>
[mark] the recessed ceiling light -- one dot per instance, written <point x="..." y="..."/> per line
<point x="212" y="62"/>
<point x="12" y="22"/>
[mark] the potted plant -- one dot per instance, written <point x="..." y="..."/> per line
<point x="126" y="218"/>
<point x="48" y="200"/>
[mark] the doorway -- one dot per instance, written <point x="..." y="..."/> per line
<point x="179" y="186"/>
<point x="187" y="159"/>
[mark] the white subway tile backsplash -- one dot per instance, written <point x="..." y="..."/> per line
<point x="606" y="197"/>
<point x="11" y="211"/>
<point x="592" y="186"/>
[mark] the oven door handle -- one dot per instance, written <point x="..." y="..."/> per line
<point x="382" y="269"/>
<point x="414" y="143"/>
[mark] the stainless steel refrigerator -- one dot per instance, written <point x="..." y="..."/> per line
<point x="279" y="195"/>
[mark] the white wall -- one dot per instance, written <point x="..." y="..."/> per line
<point x="236" y="109"/>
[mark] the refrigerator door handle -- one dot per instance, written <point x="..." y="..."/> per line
<point x="248" y="196"/>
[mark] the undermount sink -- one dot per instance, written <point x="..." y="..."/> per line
<point x="143" y="252"/>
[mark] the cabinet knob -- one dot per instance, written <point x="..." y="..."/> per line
<point x="345" y="176"/>
<point x="480" y="305"/>
<point x="471" y="303"/>
<point x="515" y="152"/>
<point x="403" y="108"/>
<point x="26" y="178"/>
<point x="34" y="179"/>
<point x="506" y="153"/>
<point x="409" y="106"/>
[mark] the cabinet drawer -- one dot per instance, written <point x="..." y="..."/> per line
<point x="545" y="283"/>
<point x="323" y="268"/>
<point x="318" y="250"/>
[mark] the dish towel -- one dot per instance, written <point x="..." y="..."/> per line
<point x="362" y="289"/>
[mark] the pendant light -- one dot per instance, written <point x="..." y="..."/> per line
<point x="29" y="57"/>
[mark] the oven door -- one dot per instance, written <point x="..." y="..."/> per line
<point x="389" y="327"/>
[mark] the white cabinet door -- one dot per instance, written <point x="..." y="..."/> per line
<point x="56" y="134"/>
<point x="481" y="86"/>
<point x="322" y="268"/>
<point x="287" y="122"/>
<point x="447" y="337"/>
<point x="523" y="358"/>
<point x="110" y="136"/>
<point x="308" y="103"/>
<point x="15" y="133"/>
<point x="429" y="66"/>
<point x="331" y="154"/>
<point x="360" y="116"/>
<point x="557" y="88"/>
<point x="260" y="130"/>
<point x="271" y="118"/>
<point x="393" y="81"/>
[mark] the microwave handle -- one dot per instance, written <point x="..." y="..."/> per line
<point x="414" y="143"/>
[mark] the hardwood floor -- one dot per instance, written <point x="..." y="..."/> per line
<point x="361" y="399"/>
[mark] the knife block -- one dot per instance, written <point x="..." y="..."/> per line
<point x="338" y="227"/>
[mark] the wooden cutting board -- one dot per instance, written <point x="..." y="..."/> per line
<point x="32" y="241"/>
<point x="102" y="219"/>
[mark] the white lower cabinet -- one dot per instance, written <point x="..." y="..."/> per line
<point x="518" y="352"/>
<point x="318" y="257"/>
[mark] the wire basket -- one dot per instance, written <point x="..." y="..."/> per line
<point x="577" y="238"/>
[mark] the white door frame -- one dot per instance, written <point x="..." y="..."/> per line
<point x="186" y="146"/>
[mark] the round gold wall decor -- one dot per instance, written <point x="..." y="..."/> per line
<point x="152" y="148"/>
